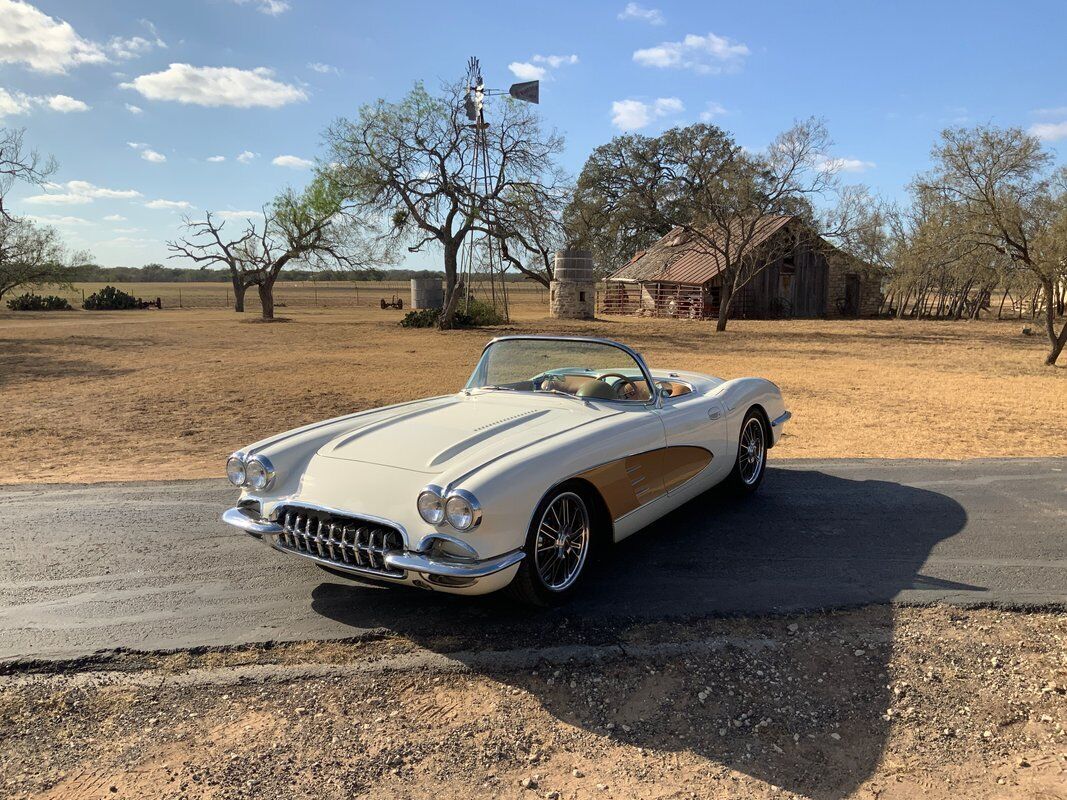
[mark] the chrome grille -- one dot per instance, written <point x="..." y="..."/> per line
<point x="349" y="542"/>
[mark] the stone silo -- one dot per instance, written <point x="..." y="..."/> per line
<point x="572" y="293"/>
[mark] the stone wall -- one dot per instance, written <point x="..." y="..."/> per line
<point x="840" y="266"/>
<point x="572" y="299"/>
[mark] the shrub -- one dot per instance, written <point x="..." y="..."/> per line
<point x="34" y="302"/>
<point x="110" y="299"/>
<point x="477" y="314"/>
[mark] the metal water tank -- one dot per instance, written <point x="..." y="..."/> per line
<point x="427" y="293"/>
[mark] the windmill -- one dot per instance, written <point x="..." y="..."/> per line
<point x="482" y="251"/>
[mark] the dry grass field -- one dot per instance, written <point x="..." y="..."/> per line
<point x="101" y="396"/>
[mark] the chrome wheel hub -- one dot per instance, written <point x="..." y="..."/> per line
<point x="562" y="541"/>
<point x="752" y="452"/>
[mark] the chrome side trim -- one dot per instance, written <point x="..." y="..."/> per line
<point x="247" y="521"/>
<point x="782" y="420"/>
<point x="449" y="568"/>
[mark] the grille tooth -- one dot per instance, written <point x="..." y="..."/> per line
<point x="336" y="539"/>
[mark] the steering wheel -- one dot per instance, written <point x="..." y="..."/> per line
<point x="625" y="389"/>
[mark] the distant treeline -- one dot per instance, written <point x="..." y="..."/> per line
<point x="157" y="273"/>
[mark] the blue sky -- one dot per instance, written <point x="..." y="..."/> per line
<point x="135" y="99"/>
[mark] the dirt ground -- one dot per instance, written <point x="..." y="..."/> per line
<point x="98" y="396"/>
<point x="873" y="703"/>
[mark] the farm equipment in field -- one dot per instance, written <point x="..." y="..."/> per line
<point x="396" y="302"/>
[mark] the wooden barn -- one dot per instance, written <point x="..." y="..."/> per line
<point x="804" y="276"/>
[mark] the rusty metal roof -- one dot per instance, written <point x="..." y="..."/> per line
<point x="677" y="259"/>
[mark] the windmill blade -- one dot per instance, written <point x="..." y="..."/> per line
<point x="528" y="91"/>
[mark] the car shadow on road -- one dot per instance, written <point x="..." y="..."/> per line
<point x="808" y="541"/>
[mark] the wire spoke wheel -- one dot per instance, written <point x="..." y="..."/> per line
<point x="562" y="541"/>
<point x="752" y="451"/>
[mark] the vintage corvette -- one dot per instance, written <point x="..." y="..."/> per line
<point x="557" y="447"/>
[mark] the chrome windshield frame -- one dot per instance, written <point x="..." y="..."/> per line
<point x="653" y="389"/>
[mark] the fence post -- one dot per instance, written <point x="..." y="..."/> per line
<point x="179" y="298"/>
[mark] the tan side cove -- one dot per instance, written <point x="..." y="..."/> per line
<point x="628" y="483"/>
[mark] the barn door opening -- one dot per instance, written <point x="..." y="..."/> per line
<point x="852" y="295"/>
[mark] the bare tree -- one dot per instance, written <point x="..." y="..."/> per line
<point x="999" y="185"/>
<point x="411" y="163"/>
<point x="208" y="244"/>
<point x="313" y="228"/>
<point x="20" y="163"/>
<point x="33" y="255"/>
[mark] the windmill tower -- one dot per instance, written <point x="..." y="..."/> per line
<point x="483" y="266"/>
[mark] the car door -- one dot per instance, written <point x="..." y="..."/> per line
<point x="697" y="454"/>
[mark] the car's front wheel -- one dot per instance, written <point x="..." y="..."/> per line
<point x="751" y="463"/>
<point x="557" y="548"/>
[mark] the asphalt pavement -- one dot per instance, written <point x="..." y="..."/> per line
<point x="149" y="566"/>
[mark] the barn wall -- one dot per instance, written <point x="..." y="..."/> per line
<point x="808" y="295"/>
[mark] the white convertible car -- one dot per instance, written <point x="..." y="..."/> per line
<point x="557" y="447"/>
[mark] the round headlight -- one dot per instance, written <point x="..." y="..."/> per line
<point x="260" y="473"/>
<point x="431" y="507"/>
<point x="462" y="510"/>
<point x="235" y="471"/>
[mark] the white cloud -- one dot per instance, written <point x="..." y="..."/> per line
<point x="133" y="47"/>
<point x="80" y="193"/>
<point x="169" y="205"/>
<point x="270" y="7"/>
<point x="216" y="159"/>
<point x="555" y="62"/>
<point x="293" y="162"/>
<point x="632" y="115"/>
<point x="652" y="16"/>
<point x="12" y="104"/>
<point x="323" y="69"/>
<point x="1060" y="111"/>
<point x="247" y="157"/>
<point x="843" y="165"/>
<point x="65" y="105"/>
<point x="150" y="155"/>
<point x="712" y="111"/>
<point x="134" y="109"/>
<point x="114" y="218"/>
<point x="525" y="71"/>
<point x="216" y="86"/>
<point x="238" y="215"/>
<point x="56" y="219"/>
<point x="702" y="54"/>
<point x="1050" y="131"/>
<point x="539" y="67"/>
<point x="43" y="43"/>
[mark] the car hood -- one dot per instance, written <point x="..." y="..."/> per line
<point x="470" y="428"/>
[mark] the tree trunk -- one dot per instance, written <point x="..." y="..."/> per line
<point x="1056" y="342"/>
<point x="266" y="298"/>
<point x="724" y="306"/>
<point x="239" y="289"/>
<point x="444" y="322"/>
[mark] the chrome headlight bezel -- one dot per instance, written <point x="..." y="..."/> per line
<point x="431" y="494"/>
<point x="463" y="499"/>
<point x="235" y="467"/>
<point x="260" y="473"/>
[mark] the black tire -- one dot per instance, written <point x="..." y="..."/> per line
<point x="750" y="466"/>
<point x="530" y="585"/>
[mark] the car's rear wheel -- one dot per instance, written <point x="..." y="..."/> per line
<point x="557" y="548"/>
<point x="751" y="463"/>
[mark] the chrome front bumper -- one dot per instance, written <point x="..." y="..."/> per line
<point x="422" y="562"/>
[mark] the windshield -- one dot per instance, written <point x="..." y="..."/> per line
<point x="587" y="369"/>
